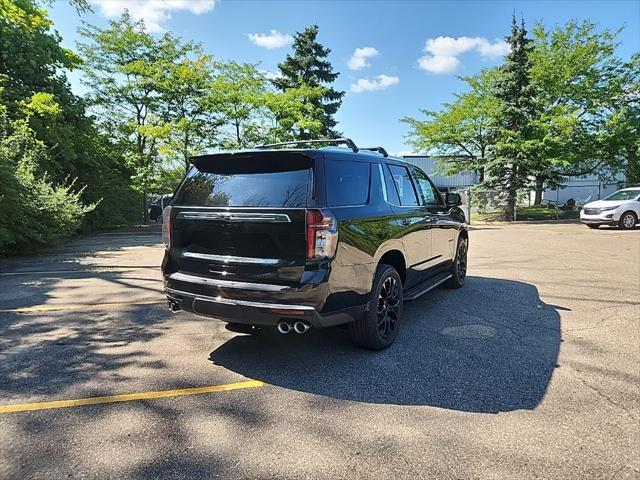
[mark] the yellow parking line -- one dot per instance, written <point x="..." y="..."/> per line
<point x="83" y="306"/>
<point x="128" y="397"/>
<point x="87" y="270"/>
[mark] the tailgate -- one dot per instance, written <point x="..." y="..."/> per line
<point x="242" y="217"/>
<point x="257" y="245"/>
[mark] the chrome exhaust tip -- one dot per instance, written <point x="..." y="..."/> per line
<point x="301" y="327"/>
<point x="173" y="306"/>
<point x="284" y="327"/>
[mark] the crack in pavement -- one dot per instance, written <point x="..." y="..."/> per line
<point x="601" y="394"/>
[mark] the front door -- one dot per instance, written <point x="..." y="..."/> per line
<point x="443" y="233"/>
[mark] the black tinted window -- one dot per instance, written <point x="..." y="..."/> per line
<point x="404" y="185"/>
<point x="347" y="182"/>
<point x="246" y="182"/>
<point x="430" y="195"/>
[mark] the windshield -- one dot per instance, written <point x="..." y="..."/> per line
<point x="624" y="195"/>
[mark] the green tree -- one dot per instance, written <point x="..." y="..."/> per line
<point x="580" y="87"/>
<point x="237" y="95"/>
<point x="308" y="67"/>
<point x="184" y="87"/>
<point x="461" y="133"/>
<point x="621" y="140"/>
<point x="293" y="111"/>
<point x="31" y="57"/>
<point x="123" y="64"/>
<point x="33" y="68"/>
<point x="513" y="131"/>
<point x="41" y="212"/>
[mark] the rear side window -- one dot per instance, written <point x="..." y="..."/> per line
<point x="347" y="182"/>
<point x="404" y="185"/>
<point x="258" y="181"/>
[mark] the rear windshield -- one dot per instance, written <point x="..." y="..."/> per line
<point x="249" y="181"/>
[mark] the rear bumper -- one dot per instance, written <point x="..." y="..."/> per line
<point x="250" y="312"/>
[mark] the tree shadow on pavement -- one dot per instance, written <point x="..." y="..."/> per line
<point x="60" y="351"/>
<point x="489" y="347"/>
<point x="52" y="352"/>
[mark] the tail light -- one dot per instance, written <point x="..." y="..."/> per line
<point x="322" y="234"/>
<point x="166" y="227"/>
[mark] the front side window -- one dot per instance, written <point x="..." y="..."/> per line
<point x="429" y="193"/>
<point x="404" y="185"/>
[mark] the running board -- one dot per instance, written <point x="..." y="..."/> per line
<point x="427" y="285"/>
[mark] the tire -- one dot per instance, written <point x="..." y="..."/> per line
<point x="593" y="225"/>
<point x="378" y="327"/>
<point x="628" y="220"/>
<point x="459" y="267"/>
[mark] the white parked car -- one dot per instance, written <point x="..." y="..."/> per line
<point x="621" y="208"/>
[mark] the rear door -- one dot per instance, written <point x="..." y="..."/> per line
<point x="241" y="217"/>
<point x="414" y="220"/>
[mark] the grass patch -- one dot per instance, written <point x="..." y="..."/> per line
<point x="528" y="213"/>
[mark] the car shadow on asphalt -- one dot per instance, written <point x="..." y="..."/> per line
<point x="489" y="347"/>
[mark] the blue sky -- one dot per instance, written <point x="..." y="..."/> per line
<point x="402" y="65"/>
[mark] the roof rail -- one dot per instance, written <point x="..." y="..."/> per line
<point x="347" y="141"/>
<point x="380" y="150"/>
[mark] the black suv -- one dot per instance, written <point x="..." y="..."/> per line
<point x="299" y="238"/>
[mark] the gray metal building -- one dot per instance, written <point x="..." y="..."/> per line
<point x="429" y="165"/>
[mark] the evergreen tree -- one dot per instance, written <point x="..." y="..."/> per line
<point x="308" y="67"/>
<point x="511" y="158"/>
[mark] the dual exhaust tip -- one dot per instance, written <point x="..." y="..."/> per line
<point x="299" y="327"/>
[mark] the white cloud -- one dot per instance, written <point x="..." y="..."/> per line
<point x="273" y="39"/>
<point x="358" y="60"/>
<point x="271" y="75"/>
<point x="153" y="12"/>
<point x="443" y="52"/>
<point x="438" y="63"/>
<point x="381" y="82"/>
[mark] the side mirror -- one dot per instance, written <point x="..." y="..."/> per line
<point x="453" y="199"/>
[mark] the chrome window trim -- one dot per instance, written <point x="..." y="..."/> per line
<point x="384" y="189"/>
<point x="384" y="184"/>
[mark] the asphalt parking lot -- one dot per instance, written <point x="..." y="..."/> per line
<point x="530" y="371"/>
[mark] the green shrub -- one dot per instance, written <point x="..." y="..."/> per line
<point x="34" y="212"/>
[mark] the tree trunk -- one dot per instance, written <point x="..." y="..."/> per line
<point x="512" y="196"/>
<point x="539" y="189"/>
<point x="145" y="209"/>
<point x="480" y="174"/>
